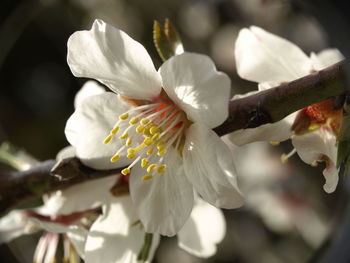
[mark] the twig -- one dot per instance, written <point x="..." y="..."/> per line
<point x="265" y="107"/>
<point x="46" y="177"/>
<point x="274" y="104"/>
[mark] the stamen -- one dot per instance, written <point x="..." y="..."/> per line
<point x="162" y="152"/>
<point x="150" y="117"/>
<point x="275" y="143"/>
<point x="145" y="121"/>
<point x="314" y="164"/>
<point x="124" y="116"/>
<point x="161" y="169"/>
<point x="126" y="171"/>
<point x="140" y="129"/>
<point x="124" y="135"/>
<point x="173" y="124"/>
<point x="144" y="162"/>
<point x="128" y="142"/>
<point x="131" y="156"/>
<point x="115" y="130"/>
<point x="147" y="177"/>
<point x="285" y="157"/>
<point x="151" y="167"/>
<point x="150" y="151"/>
<point x="174" y="112"/>
<point x="134" y="120"/>
<point x="153" y="130"/>
<point x="148" y="141"/>
<point x="115" y="158"/>
<point x="108" y="139"/>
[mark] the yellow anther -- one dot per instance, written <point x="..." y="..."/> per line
<point x="314" y="164"/>
<point x="161" y="169"/>
<point x="161" y="152"/>
<point x="153" y="130"/>
<point x="115" y="130"/>
<point x="140" y="147"/>
<point x="144" y="162"/>
<point x="134" y="120"/>
<point x="275" y="143"/>
<point x="145" y="121"/>
<point x="284" y="158"/>
<point x="140" y="129"/>
<point x="123" y="116"/>
<point x="146" y="177"/>
<point x="131" y="151"/>
<point x="147" y="132"/>
<point x="115" y="158"/>
<point x="148" y="141"/>
<point x="126" y="171"/>
<point x="150" y="151"/>
<point x="108" y="139"/>
<point x="155" y="137"/>
<point x="124" y="136"/>
<point x="151" y="167"/>
<point x="128" y="142"/>
<point x="161" y="144"/>
<point x="131" y="156"/>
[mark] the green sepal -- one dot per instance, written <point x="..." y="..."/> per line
<point x="343" y="155"/>
<point x="147" y="244"/>
<point x="166" y="40"/>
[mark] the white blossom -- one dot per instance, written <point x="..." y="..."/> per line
<point x="157" y="123"/>
<point x="270" y="60"/>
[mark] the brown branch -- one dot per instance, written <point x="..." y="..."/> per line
<point x="17" y="187"/>
<point x="276" y="103"/>
<point x="266" y="107"/>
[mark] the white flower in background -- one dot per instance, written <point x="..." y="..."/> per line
<point x="117" y="237"/>
<point x="157" y="123"/>
<point x="270" y="60"/>
<point x="24" y="222"/>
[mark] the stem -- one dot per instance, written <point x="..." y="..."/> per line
<point x="274" y="104"/>
<point x="264" y="107"/>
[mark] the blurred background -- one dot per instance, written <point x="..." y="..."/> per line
<point x="287" y="217"/>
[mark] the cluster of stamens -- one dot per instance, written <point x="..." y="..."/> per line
<point x="148" y="131"/>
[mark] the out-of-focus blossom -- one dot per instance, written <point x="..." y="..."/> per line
<point x="270" y="60"/>
<point x="163" y="132"/>
<point x="281" y="208"/>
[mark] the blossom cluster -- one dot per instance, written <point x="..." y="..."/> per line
<point x="156" y="126"/>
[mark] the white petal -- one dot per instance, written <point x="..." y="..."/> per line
<point x="90" y="124"/>
<point x="193" y="83"/>
<point x="313" y="147"/>
<point x="78" y="238"/>
<point x="164" y="202"/>
<point x="90" y="88"/>
<point x="66" y="152"/>
<point x="271" y="132"/>
<point x="13" y="225"/>
<point x="76" y="233"/>
<point x="109" y="55"/>
<point x="264" y="57"/>
<point x="210" y="168"/>
<point x="326" y="58"/>
<point x="114" y="238"/>
<point x="78" y="198"/>
<point x="205" y="228"/>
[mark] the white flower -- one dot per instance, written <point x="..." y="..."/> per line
<point x="117" y="237"/>
<point x="270" y="60"/>
<point x="163" y="131"/>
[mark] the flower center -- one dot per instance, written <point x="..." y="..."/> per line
<point x="316" y="116"/>
<point x="149" y="131"/>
